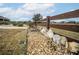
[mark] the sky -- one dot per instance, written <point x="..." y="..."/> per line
<point x="25" y="11"/>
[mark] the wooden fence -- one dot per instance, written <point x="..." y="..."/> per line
<point x="67" y="30"/>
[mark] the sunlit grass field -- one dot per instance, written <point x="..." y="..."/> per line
<point x="12" y="41"/>
<point x="15" y="41"/>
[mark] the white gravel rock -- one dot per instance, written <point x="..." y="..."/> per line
<point x="44" y="31"/>
<point x="63" y="40"/>
<point x="56" y="38"/>
<point x="73" y="46"/>
<point x="50" y="33"/>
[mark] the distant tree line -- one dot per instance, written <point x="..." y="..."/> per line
<point x="35" y="18"/>
<point x="4" y="20"/>
<point x="74" y="22"/>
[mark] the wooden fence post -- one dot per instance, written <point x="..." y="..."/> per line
<point x="48" y="22"/>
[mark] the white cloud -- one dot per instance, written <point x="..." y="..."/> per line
<point x="24" y="19"/>
<point x="73" y="9"/>
<point x="44" y="17"/>
<point x="1" y="4"/>
<point x="40" y="6"/>
<point x="50" y="11"/>
<point x="27" y="10"/>
<point x="37" y="8"/>
<point x="4" y="9"/>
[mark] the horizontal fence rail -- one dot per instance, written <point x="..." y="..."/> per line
<point x="70" y="30"/>
<point x="69" y="27"/>
<point x="66" y="33"/>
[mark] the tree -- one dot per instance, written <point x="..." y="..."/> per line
<point x="37" y="17"/>
<point x="72" y="22"/>
<point x="4" y="20"/>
